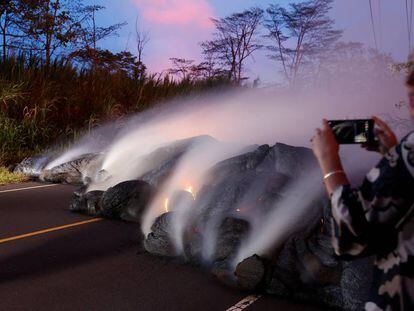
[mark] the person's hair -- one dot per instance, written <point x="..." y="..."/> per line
<point x="410" y="78"/>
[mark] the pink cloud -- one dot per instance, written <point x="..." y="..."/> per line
<point x="176" y="28"/>
<point x="176" y="12"/>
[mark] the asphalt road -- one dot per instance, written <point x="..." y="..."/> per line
<point x="96" y="265"/>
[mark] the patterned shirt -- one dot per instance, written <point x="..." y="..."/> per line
<point x="377" y="219"/>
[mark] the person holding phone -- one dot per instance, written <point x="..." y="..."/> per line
<point x="376" y="218"/>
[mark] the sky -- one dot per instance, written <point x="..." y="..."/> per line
<point x="176" y="27"/>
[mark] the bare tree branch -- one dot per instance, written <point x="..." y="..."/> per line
<point x="235" y="41"/>
<point x="307" y="25"/>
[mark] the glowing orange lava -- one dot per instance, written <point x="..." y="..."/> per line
<point x="189" y="188"/>
<point x="166" y="203"/>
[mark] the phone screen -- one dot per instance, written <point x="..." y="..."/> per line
<point x="353" y="131"/>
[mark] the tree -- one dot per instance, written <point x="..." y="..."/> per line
<point x="6" y="8"/>
<point x="350" y="67"/>
<point x="186" y="69"/>
<point x="11" y="37"/>
<point x="123" y="62"/>
<point x="235" y="40"/>
<point x="142" y="39"/>
<point x="181" y="67"/>
<point x="299" y="34"/>
<point x="129" y="64"/>
<point x="51" y="25"/>
<point x="90" y="34"/>
<point x="210" y="68"/>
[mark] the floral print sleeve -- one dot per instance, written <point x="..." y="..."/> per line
<point x="379" y="207"/>
<point x="377" y="219"/>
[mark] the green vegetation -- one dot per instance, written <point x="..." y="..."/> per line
<point x="40" y="105"/>
<point x="10" y="178"/>
<point x="56" y="83"/>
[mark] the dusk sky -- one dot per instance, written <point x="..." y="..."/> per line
<point x="177" y="26"/>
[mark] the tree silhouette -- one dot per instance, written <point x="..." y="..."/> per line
<point x="299" y="34"/>
<point x="90" y="34"/>
<point x="235" y="40"/>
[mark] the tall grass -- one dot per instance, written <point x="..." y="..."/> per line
<point x="41" y="105"/>
<point x="7" y="177"/>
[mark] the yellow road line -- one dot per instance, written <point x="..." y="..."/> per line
<point x="27" y="235"/>
<point x="29" y="188"/>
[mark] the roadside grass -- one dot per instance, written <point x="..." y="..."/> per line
<point x="7" y="177"/>
<point x="42" y="106"/>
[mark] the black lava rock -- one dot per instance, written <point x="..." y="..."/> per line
<point x="158" y="242"/>
<point x="250" y="273"/>
<point x="127" y="200"/>
<point x="74" y="172"/>
<point x="230" y="234"/>
<point x="32" y="166"/>
<point x="89" y="203"/>
<point x="160" y="163"/>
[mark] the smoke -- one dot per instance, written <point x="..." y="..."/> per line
<point x="261" y="116"/>
<point x="288" y="215"/>
<point x="236" y="120"/>
<point x="189" y="176"/>
<point x="96" y="141"/>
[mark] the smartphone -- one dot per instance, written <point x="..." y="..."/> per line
<point x="357" y="131"/>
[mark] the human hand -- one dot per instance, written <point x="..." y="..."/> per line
<point x="385" y="136"/>
<point x="325" y="147"/>
<point x="372" y="146"/>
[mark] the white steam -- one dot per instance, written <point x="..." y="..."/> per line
<point x="237" y="119"/>
<point x="189" y="175"/>
<point x="247" y="117"/>
<point x="288" y="215"/>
